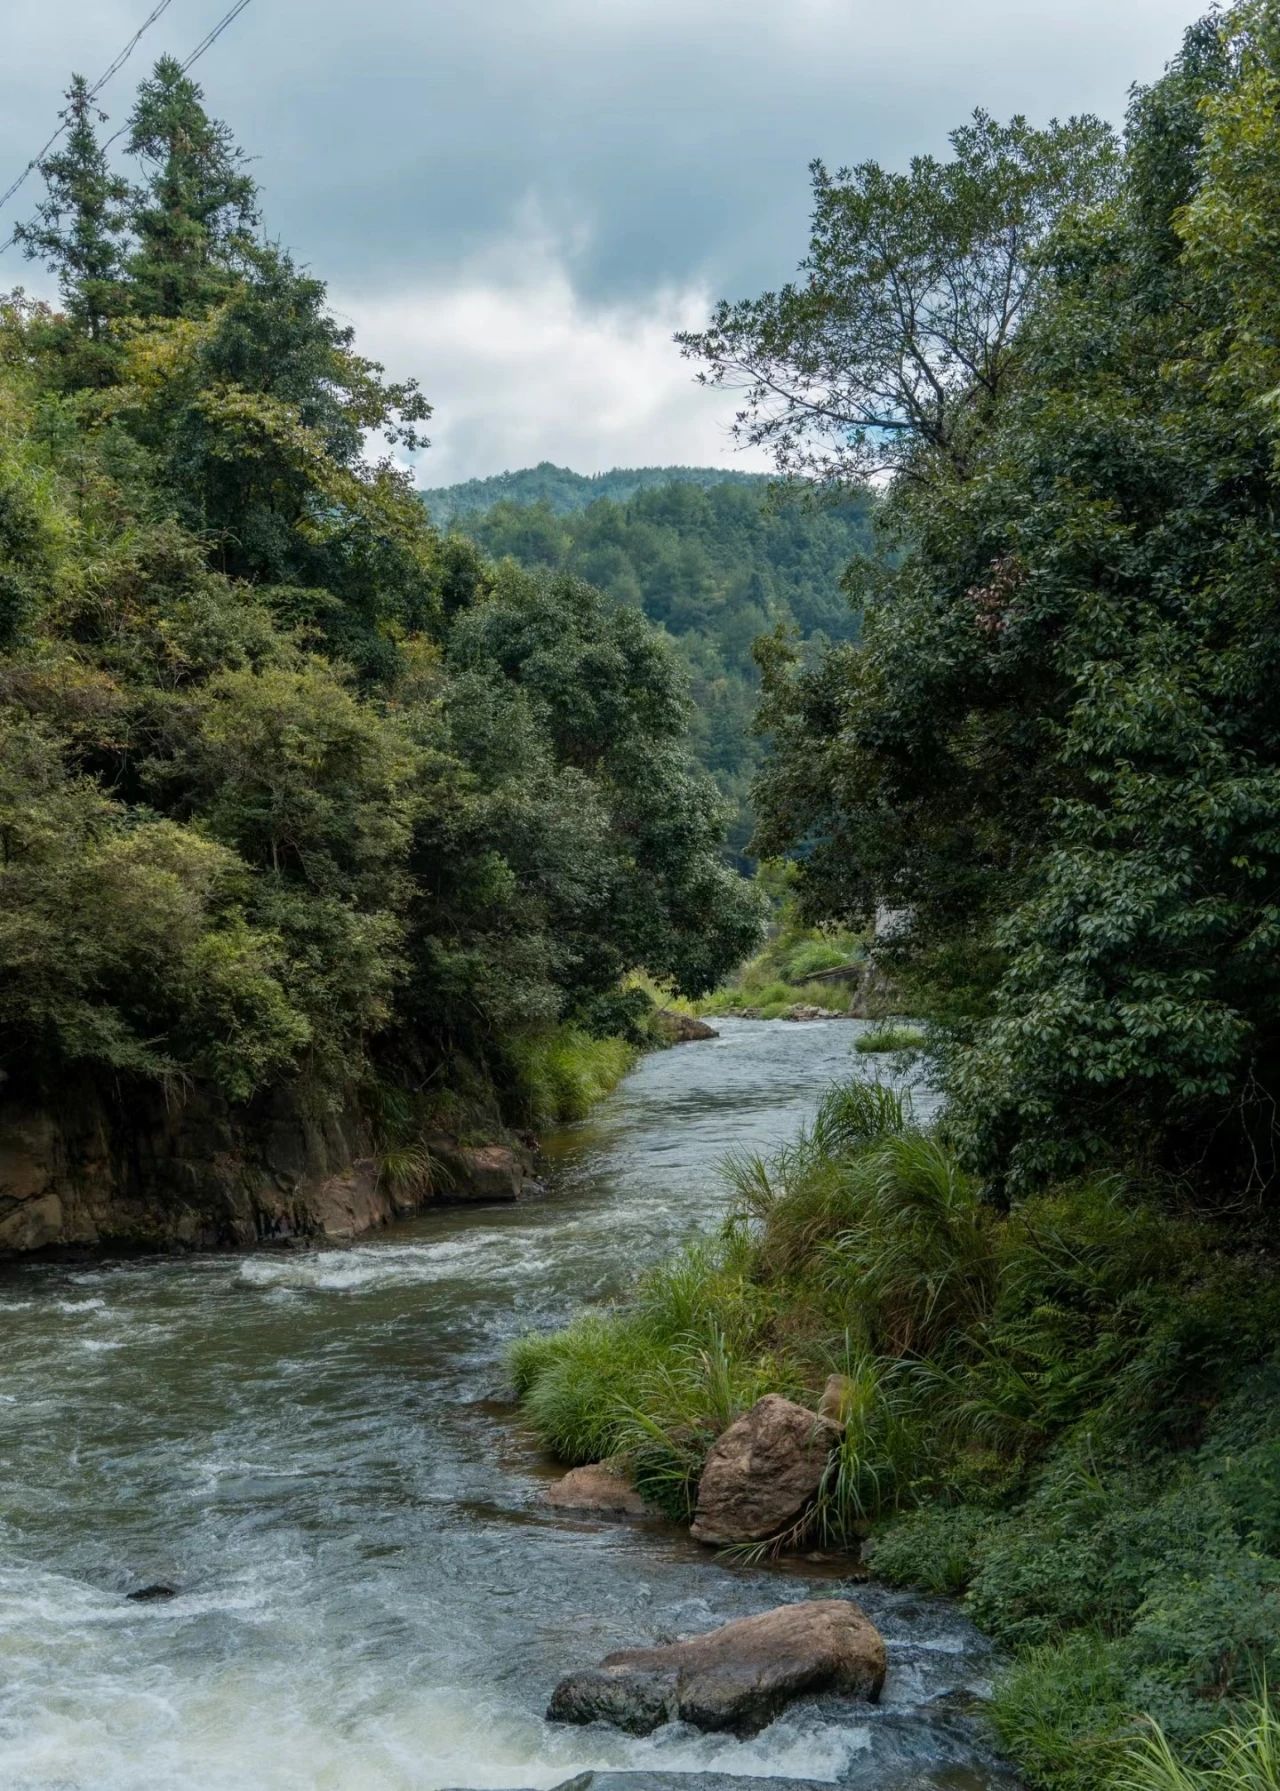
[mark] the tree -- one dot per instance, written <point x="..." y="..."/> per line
<point x="292" y="791"/>
<point x="714" y="564"/>
<point x="609" y="699"/>
<point x="261" y="422"/>
<point x="900" y="336"/>
<point x="195" y="216"/>
<point x="1061" y="744"/>
<point x="79" y="223"/>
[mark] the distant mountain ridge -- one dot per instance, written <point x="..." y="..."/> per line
<point x="706" y="553"/>
<point x="565" y="492"/>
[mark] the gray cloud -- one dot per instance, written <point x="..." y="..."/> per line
<point x="614" y="160"/>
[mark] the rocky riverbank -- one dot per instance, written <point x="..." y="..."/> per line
<point x="143" y="1170"/>
<point x="146" y="1174"/>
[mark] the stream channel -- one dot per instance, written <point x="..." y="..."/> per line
<point x="370" y="1595"/>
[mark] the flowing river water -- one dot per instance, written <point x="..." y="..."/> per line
<point x="308" y="1446"/>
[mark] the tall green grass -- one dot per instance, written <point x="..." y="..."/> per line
<point x="1066" y="1413"/>
<point x="891" y="1038"/>
<point x="1242" y="1754"/>
<point x="562" y="1072"/>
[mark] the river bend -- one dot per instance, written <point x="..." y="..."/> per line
<point x="307" y="1445"/>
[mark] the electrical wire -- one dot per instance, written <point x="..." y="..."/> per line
<point x="206" y="43"/>
<point x="117" y="64"/>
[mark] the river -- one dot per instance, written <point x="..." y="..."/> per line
<point x="308" y="1445"/>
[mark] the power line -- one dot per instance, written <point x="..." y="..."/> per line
<point x="206" y="42"/>
<point x="131" y="46"/>
<point x="114" y="69"/>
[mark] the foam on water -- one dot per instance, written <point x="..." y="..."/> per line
<point x="370" y="1594"/>
<point x="141" y="1736"/>
<point x="358" y="1268"/>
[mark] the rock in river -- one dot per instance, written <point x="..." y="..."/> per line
<point x="682" y="1029"/>
<point x="595" y="1489"/>
<point x="763" y="1473"/>
<point x="480" y="1172"/>
<point x="736" y="1678"/>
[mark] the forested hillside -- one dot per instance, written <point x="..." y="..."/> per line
<point x="1053" y="1317"/>
<point x="563" y="491"/>
<point x="293" y="792"/>
<point x="716" y="561"/>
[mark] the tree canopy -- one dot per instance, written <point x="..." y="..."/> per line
<point x="899" y="334"/>
<point x="715" y="562"/>
<point x="291" y="789"/>
<point x="1058" y="745"/>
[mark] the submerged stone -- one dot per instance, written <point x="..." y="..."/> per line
<point x="597" y="1490"/>
<point x="683" y="1781"/>
<point x="686" y="1781"/>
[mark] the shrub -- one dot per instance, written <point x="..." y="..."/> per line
<point x="890" y="1038"/>
<point x="938" y="1547"/>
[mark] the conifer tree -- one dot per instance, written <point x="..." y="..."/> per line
<point x="195" y="216"/>
<point x="78" y="226"/>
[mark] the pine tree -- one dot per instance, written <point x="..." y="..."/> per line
<point x="79" y="223"/>
<point x="196" y="214"/>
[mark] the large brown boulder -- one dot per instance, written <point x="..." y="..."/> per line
<point x="763" y="1473"/>
<point x="682" y="1029"/>
<point x="736" y="1678"/>
<point x="479" y="1172"/>
<point x="597" y="1490"/>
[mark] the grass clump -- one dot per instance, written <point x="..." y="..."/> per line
<point x="890" y="1038"/>
<point x="1067" y="1413"/>
<point x="1242" y="1754"/>
<point x="562" y="1072"/>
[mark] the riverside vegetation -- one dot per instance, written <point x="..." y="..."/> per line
<point x="777" y="978"/>
<point x="296" y="794"/>
<point x="1057" y="747"/>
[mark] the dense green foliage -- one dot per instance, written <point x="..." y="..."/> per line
<point x="779" y="976"/>
<point x="1056" y="750"/>
<point x="563" y="492"/>
<point x="1059" y="745"/>
<point x="715" y="564"/>
<point x="291" y="789"/>
<point x="1070" y="1413"/>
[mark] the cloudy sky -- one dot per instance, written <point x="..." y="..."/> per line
<point x="520" y="200"/>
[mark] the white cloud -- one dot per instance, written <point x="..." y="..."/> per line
<point x="520" y="367"/>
